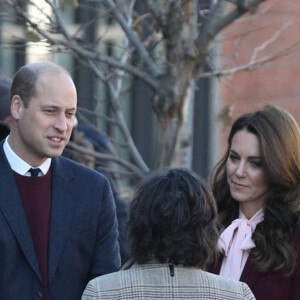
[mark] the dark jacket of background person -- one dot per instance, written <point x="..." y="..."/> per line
<point x="4" y="106"/>
<point x="173" y="235"/>
<point x="72" y="233"/>
<point x="4" y="130"/>
<point x="4" y="97"/>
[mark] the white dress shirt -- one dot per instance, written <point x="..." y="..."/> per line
<point x="19" y="165"/>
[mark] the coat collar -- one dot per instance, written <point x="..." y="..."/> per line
<point x="61" y="212"/>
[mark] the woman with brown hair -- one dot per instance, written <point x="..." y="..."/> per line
<point x="257" y="188"/>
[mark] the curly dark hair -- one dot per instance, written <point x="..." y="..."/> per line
<point x="173" y="218"/>
<point x="279" y="140"/>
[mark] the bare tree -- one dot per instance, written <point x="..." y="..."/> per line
<point x="184" y="29"/>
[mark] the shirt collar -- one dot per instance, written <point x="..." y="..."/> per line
<point x="18" y="164"/>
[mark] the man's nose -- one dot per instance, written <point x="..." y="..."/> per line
<point x="61" y="122"/>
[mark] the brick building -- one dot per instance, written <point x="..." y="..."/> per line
<point x="273" y="31"/>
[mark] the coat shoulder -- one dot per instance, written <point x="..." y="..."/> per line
<point x="156" y="280"/>
<point x="76" y="169"/>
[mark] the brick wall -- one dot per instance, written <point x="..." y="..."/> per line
<point x="274" y="28"/>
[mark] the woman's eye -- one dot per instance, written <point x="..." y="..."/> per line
<point x="256" y="164"/>
<point x="232" y="157"/>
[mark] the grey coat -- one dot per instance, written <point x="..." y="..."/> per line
<point x="155" y="281"/>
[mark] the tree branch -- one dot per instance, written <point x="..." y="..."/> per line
<point x="79" y="49"/>
<point x="269" y="41"/>
<point x="253" y="64"/>
<point x="221" y="15"/>
<point x="135" y="154"/>
<point x="109" y="157"/>
<point x="144" y="55"/>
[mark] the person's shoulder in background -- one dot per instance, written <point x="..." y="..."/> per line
<point x="4" y="130"/>
<point x="5" y="84"/>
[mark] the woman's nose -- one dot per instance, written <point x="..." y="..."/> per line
<point x="240" y="169"/>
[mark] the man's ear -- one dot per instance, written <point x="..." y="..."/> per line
<point x="16" y="106"/>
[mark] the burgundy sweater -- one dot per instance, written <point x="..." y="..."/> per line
<point x="36" y="197"/>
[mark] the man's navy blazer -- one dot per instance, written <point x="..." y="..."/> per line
<point x="83" y="237"/>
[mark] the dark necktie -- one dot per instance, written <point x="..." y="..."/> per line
<point x="34" y="172"/>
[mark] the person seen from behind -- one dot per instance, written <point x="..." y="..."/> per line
<point x="173" y="235"/>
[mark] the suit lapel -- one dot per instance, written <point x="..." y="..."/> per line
<point x="12" y="209"/>
<point x="61" y="214"/>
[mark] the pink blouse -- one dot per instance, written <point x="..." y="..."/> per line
<point x="236" y="241"/>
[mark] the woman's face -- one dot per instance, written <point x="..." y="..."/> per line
<point x="245" y="175"/>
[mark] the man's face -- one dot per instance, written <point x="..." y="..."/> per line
<point x="44" y="128"/>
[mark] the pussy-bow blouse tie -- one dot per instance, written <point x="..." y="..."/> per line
<point x="235" y="240"/>
<point x="244" y="234"/>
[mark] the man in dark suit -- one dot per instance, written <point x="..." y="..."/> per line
<point x="58" y="226"/>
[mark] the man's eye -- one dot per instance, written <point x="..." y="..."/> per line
<point x="70" y="114"/>
<point x="49" y="111"/>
